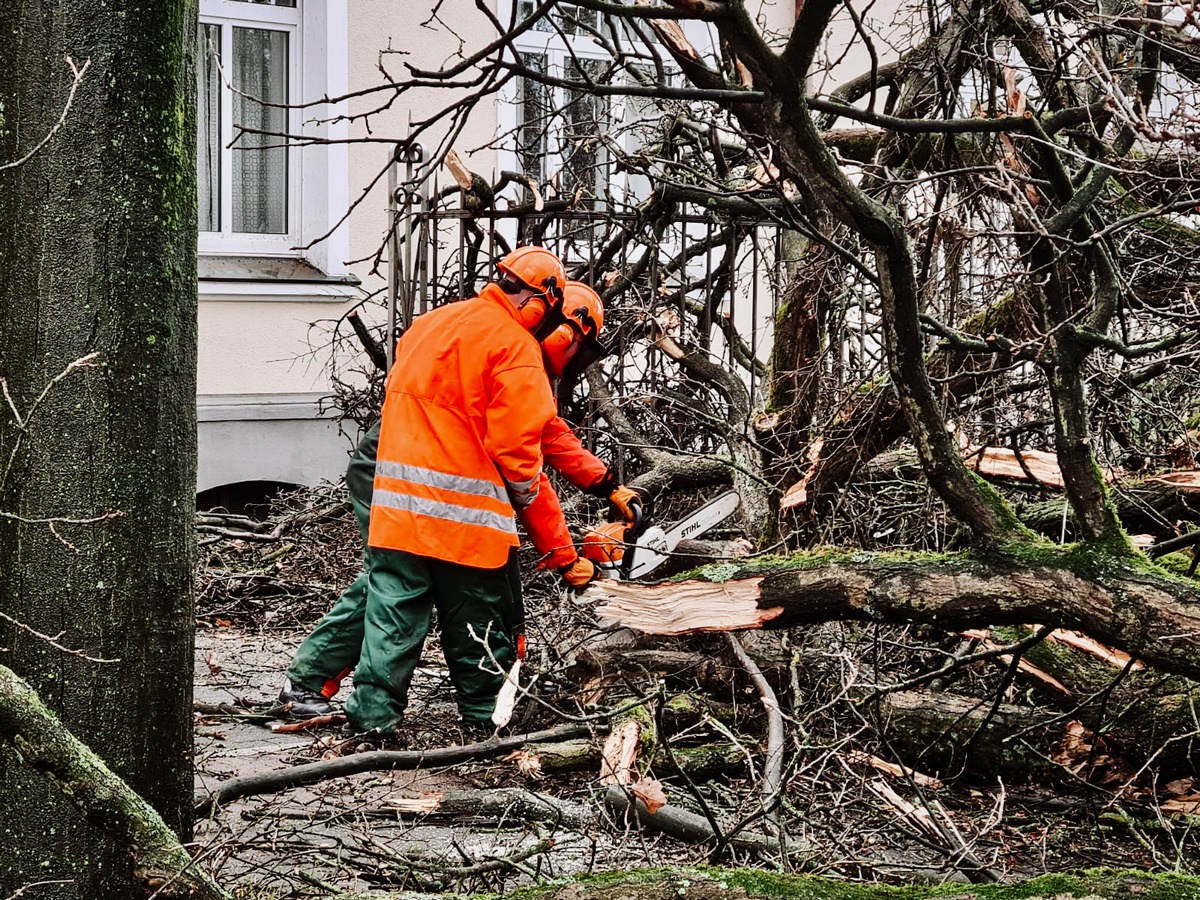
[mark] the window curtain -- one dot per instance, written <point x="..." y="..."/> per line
<point x="260" y="161"/>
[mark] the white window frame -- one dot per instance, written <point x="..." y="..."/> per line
<point x="318" y="174"/>
<point x="555" y="49"/>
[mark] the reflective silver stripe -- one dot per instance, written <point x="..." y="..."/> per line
<point x="437" y="509"/>
<point x="481" y="487"/>
<point x="523" y="493"/>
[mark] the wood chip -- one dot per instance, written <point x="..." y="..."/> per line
<point x="858" y="757"/>
<point x="651" y="793"/>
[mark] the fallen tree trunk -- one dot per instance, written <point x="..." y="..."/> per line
<point x="161" y="866"/>
<point x="1140" y="711"/>
<point x="944" y="734"/>
<point x="1151" y="505"/>
<point x="1117" y="600"/>
<point x="378" y="760"/>
<point x="706" y="884"/>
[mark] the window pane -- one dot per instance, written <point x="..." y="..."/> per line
<point x="533" y="109"/>
<point x="586" y="118"/>
<point x="260" y="161"/>
<point x="208" y="128"/>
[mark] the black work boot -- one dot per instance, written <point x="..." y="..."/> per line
<point x="303" y="703"/>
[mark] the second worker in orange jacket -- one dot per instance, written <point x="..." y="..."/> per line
<point x="467" y="410"/>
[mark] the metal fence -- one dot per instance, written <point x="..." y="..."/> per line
<point x="699" y="280"/>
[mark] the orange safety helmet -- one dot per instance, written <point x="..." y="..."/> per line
<point x="536" y="269"/>
<point x="575" y="344"/>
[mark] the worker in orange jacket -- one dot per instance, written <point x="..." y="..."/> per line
<point x="467" y="412"/>
<point x="332" y="650"/>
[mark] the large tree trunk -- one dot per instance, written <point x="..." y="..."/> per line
<point x="706" y="884"/>
<point x="97" y="256"/>
<point x="1121" y="603"/>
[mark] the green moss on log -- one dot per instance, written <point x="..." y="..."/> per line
<point x="723" y="884"/>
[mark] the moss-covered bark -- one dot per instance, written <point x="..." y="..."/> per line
<point x="97" y="255"/>
<point x="1120" y="601"/>
<point x="158" y="863"/>
<point x="744" y="884"/>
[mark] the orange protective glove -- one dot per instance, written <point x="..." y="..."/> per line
<point x="579" y="574"/>
<point x="628" y="504"/>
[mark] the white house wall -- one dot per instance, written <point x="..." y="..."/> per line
<point x="259" y="386"/>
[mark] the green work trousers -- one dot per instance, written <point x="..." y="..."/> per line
<point x="479" y="612"/>
<point x="332" y="650"/>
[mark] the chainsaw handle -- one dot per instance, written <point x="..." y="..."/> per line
<point x="641" y="519"/>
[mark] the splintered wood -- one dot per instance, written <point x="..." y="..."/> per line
<point x="1023" y="665"/>
<point x="1182" y="481"/>
<point x="685" y="607"/>
<point x="1118" y="659"/>
<point x="619" y="754"/>
<point x="459" y="170"/>
<point x="998" y="462"/>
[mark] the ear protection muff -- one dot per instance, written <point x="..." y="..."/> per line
<point x="590" y="350"/>
<point x="551" y="303"/>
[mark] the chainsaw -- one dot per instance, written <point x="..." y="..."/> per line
<point x="628" y="552"/>
<point x="625" y="551"/>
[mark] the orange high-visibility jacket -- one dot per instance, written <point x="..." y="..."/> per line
<point x="543" y="519"/>
<point x="461" y="441"/>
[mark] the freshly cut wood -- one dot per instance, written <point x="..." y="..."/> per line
<point x="1000" y="462"/>
<point x="1024" y="666"/>
<point x="424" y="803"/>
<point x="1110" y="655"/>
<point x="683" y="607"/>
<point x="931" y="818"/>
<point x="464" y="176"/>
<point x="860" y="758"/>
<point x="1181" y="481"/>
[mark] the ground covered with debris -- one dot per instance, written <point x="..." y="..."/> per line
<point x="654" y="751"/>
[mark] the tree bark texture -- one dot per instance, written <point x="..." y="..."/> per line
<point x="1123" y="604"/>
<point x="161" y="866"/>
<point x="718" y="884"/>
<point x="98" y="255"/>
<point x="944" y="734"/>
